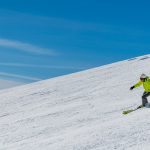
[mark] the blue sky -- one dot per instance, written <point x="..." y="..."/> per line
<point x="44" y="39"/>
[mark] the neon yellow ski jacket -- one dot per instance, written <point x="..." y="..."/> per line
<point x="146" y="84"/>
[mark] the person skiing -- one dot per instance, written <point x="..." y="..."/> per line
<point x="145" y="81"/>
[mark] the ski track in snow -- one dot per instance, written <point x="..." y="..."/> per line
<point x="81" y="111"/>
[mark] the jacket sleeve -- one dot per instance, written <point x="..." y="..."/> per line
<point x="138" y="84"/>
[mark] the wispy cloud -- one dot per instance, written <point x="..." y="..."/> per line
<point x="53" y="22"/>
<point x="18" y="77"/>
<point x="26" y="47"/>
<point x="41" y="66"/>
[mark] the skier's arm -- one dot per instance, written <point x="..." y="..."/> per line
<point x="138" y="84"/>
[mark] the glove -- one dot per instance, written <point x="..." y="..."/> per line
<point x="131" y="88"/>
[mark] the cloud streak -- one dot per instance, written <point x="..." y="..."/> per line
<point x="26" y="47"/>
<point x="18" y="77"/>
<point x="40" y="66"/>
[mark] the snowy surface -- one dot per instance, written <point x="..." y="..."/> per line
<point x="81" y="111"/>
<point x="5" y="84"/>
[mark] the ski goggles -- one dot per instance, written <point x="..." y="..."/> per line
<point x="142" y="79"/>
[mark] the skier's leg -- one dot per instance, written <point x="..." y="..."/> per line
<point x="144" y="98"/>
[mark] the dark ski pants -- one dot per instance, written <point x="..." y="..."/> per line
<point x="144" y="98"/>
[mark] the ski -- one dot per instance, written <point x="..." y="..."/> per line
<point x="131" y="110"/>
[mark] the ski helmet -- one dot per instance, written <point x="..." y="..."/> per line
<point x="143" y="76"/>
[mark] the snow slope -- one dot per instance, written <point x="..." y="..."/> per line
<point x="81" y="111"/>
<point x="4" y="84"/>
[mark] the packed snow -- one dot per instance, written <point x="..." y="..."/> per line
<point x="5" y="84"/>
<point x="81" y="111"/>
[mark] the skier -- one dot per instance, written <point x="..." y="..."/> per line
<point x="145" y="81"/>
